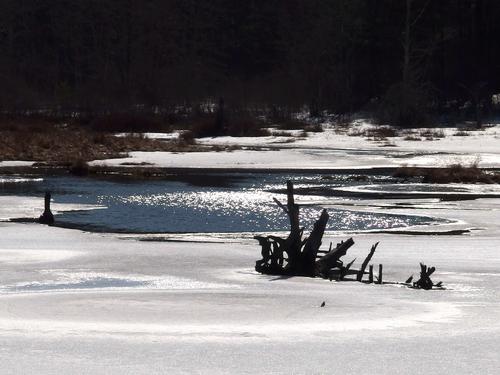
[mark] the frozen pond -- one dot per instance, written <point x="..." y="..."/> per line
<point x="210" y="203"/>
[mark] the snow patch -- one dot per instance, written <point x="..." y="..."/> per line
<point x="78" y="281"/>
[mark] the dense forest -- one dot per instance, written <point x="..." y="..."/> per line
<point x="408" y="61"/>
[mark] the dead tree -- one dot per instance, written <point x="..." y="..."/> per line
<point x="295" y="255"/>
<point x="293" y="243"/>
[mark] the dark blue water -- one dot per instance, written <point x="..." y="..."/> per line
<point x="215" y="203"/>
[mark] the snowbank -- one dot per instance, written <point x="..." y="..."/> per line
<point x="332" y="149"/>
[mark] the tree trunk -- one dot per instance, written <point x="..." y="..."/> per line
<point x="308" y="255"/>
<point x="293" y="243"/>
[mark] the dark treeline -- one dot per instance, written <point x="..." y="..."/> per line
<point x="406" y="60"/>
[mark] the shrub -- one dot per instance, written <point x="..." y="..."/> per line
<point x="246" y="125"/>
<point x="79" y="167"/>
<point x="314" y="128"/>
<point x="291" y="124"/>
<point x="405" y="106"/>
<point x="187" y="137"/>
<point x="431" y="134"/>
<point x="235" y="123"/>
<point x="412" y="137"/>
<point x="377" y="133"/>
<point x="128" y="122"/>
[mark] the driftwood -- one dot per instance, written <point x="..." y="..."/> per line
<point x="345" y="270"/>
<point x="425" y="282"/>
<point x="295" y="256"/>
<point x="332" y="258"/>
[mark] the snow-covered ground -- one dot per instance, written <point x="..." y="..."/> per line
<point x="75" y="302"/>
<point x="332" y="149"/>
<point x="16" y="163"/>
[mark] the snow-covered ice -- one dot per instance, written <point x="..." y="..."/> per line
<point x="330" y="149"/>
<point x="12" y="207"/>
<point x="76" y="302"/>
<point x="16" y="163"/>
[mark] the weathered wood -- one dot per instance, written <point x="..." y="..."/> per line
<point x="370" y="274"/>
<point x="293" y="243"/>
<point x="310" y="251"/>
<point x="297" y="256"/>
<point x="379" y="279"/>
<point x="365" y="263"/>
<point x="47" y="217"/>
<point x="345" y="270"/>
<point x="332" y="259"/>
<point x="425" y="281"/>
<point x="293" y="208"/>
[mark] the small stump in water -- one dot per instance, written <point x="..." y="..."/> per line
<point x="47" y="216"/>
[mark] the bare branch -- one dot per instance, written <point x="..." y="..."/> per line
<point x="281" y="205"/>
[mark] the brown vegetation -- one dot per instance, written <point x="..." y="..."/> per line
<point x="376" y="133"/>
<point x="129" y="122"/>
<point x="235" y="124"/>
<point x="453" y="174"/>
<point x="412" y="137"/>
<point x="292" y="124"/>
<point x="72" y="146"/>
<point x="431" y="134"/>
<point x="314" y="128"/>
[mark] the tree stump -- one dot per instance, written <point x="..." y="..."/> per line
<point x="294" y="255"/>
<point x="47" y="217"/>
<point x="425" y="281"/>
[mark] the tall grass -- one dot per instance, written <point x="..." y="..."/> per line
<point x="71" y="145"/>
